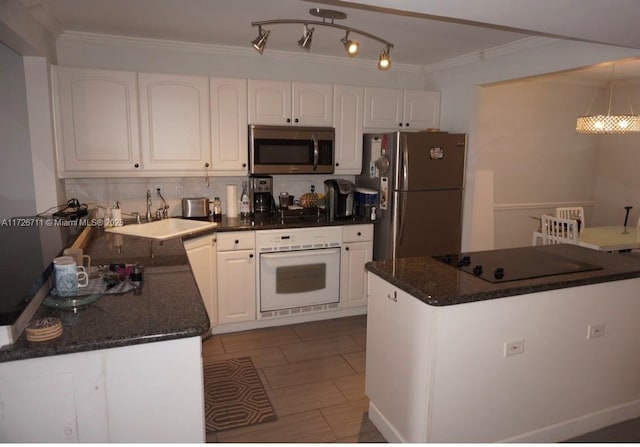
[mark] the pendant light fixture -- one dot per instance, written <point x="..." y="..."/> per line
<point x="608" y="124"/>
<point x="351" y="47"/>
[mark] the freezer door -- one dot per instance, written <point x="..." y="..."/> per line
<point x="429" y="160"/>
<point x="424" y="223"/>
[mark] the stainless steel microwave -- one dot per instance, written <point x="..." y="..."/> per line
<point x="291" y="149"/>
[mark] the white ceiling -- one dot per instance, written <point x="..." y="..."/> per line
<point x="423" y="32"/>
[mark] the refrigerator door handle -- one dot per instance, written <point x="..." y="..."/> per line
<point x="402" y="204"/>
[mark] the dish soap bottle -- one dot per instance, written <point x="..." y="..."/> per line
<point x="245" y="209"/>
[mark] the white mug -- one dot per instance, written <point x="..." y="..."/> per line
<point x="69" y="276"/>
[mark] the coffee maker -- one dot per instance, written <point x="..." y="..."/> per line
<point x="260" y="195"/>
<point x="339" y="195"/>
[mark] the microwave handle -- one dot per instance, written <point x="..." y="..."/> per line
<point x="316" y="152"/>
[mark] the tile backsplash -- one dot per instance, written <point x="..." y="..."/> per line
<point x="131" y="192"/>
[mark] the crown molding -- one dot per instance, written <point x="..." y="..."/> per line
<point x="226" y="50"/>
<point x="490" y="53"/>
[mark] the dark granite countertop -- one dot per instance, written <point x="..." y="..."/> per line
<point x="275" y="223"/>
<point x="439" y="284"/>
<point x="169" y="305"/>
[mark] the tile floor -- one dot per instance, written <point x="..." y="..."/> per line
<point x="314" y="375"/>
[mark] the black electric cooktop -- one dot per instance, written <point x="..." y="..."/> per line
<point x="515" y="264"/>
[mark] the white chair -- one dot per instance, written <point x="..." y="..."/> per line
<point x="556" y="230"/>
<point x="572" y="212"/>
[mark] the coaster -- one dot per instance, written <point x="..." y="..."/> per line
<point x="44" y="329"/>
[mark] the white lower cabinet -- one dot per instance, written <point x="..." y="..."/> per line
<point x="201" y="252"/>
<point x="150" y="392"/>
<point x="357" y="250"/>
<point x="236" y="277"/>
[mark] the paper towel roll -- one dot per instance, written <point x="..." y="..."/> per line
<point x="232" y="201"/>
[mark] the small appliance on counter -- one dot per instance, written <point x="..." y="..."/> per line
<point x="366" y="201"/>
<point x="195" y="208"/>
<point x="261" y="195"/>
<point x="339" y="196"/>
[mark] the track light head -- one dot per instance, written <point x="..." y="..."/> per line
<point x="305" y="40"/>
<point x="352" y="47"/>
<point x="384" y="61"/>
<point x="261" y="41"/>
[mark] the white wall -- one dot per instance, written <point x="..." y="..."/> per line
<point x="618" y="176"/>
<point x="17" y="193"/>
<point x="459" y="82"/>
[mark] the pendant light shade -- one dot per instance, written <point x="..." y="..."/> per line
<point x="608" y="124"/>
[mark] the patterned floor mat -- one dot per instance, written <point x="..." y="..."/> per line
<point x="234" y="395"/>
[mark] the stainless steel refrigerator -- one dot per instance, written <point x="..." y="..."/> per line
<point x="420" y="179"/>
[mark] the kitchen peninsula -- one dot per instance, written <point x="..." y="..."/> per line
<point x="126" y="369"/>
<point x="452" y="357"/>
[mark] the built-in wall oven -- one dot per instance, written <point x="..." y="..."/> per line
<point x="298" y="270"/>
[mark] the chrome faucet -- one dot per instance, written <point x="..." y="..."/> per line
<point x="163" y="211"/>
<point x="148" y="205"/>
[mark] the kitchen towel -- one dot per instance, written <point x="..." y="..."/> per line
<point x="232" y="201"/>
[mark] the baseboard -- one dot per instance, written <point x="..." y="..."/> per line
<point x="384" y="426"/>
<point x="580" y="425"/>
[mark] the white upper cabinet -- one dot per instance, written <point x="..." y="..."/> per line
<point x="229" y="126"/>
<point x="348" y="110"/>
<point x="401" y="109"/>
<point x="290" y="103"/>
<point x="97" y="127"/>
<point x="174" y="122"/>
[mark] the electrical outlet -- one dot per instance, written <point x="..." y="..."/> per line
<point x="595" y="330"/>
<point x="179" y="192"/>
<point x="513" y="347"/>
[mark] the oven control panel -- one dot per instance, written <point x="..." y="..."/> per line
<point x="298" y="239"/>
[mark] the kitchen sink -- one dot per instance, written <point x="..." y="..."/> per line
<point x="164" y="229"/>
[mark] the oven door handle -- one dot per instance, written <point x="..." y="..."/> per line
<point x="316" y="151"/>
<point x="300" y="253"/>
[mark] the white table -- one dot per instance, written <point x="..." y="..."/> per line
<point x="611" y="238"/>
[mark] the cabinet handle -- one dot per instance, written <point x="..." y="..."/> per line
<point x="206" y="165"/>
<point x="393" y="298"/>
<point x="400" y="124"/>
<point x="237" y="241"/>
<point x="244" y="165"/>
<point x="288" y="120"/>
<point x="251" y="255"/>
<point x="406" y="124"/>
<point x="296" y="120"/>
<point x="359" y="234"/>
<point x="346" y="248"/>
<point x="137" y="165"/>
<point x="337" y="164"/>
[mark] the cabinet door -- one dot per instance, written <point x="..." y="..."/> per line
<point x="421" y="109"/>
<point x="174" y="121"/>
<point x="312" y="104"/>
<point x="229" y="126"/>
<point x="201" y="252"/>
<point x="348" y="108"/>
<point x="269" y="102"/>
<point x="236" y="286"/>
<point x="353" y="287"/>
<point x="383" y="108"/>
<point x="98" y="120"/>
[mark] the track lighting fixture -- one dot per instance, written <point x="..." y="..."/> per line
<point x="261" y="41"/>
<point x="352" y="47"/>
<point x="305" y="40"/>
<point x="384" y="61"/>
